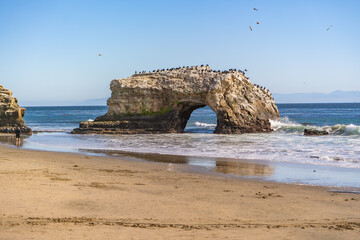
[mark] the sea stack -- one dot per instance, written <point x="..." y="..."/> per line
<point x="163" y="100"/>
<point x="11" y="114"/>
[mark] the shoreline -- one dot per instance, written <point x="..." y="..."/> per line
<point x="66" y="195"/>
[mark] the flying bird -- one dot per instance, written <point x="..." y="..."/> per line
<point x="245" y="70"/>
<point x="250" y="28"/>
<point x="255" y="9"/>
<point x="257" y="22"/>
<point x="100" y="54"/>
<point x="329" y="28"/>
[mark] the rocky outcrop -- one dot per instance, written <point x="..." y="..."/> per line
<point x="11" y="114"/>
<point x="162" y="102"/>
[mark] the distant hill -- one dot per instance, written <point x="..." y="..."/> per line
<point x="333" y="97"/>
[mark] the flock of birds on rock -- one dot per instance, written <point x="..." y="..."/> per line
<point x="261" y="87"/>
<point x="200" y="68"/>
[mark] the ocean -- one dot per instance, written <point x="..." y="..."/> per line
<point x="285" y="150"/>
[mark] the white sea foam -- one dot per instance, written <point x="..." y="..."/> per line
<point x="90" y="120"/>
<point x="50" y="130"/>
<point x="205" y="125"/>
<point x="285" y="124"/>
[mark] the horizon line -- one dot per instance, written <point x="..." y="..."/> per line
<point x="25" y="106"/>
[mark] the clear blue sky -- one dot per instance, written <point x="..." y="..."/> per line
<point x="49" y="48"/>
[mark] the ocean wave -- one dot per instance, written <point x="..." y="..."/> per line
<point x="205" y="125"/>
<point x="46" y="129"/>
<point x="50" y="131"/>
<point x="341" y="129"/>
<point x="284" y="125"/>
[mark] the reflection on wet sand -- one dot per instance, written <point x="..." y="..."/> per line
<point x="243" y="168"/>
<point x="151" y="157"/>
<point x="237" y="167"/>
<point x="10" y="139"/>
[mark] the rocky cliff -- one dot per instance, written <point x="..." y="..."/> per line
<point x="163" y="100"/>
<point x="11" y="114"/>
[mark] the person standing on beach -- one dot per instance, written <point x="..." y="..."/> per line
<point x="18" y="136"/>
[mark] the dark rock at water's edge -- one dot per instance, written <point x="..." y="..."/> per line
<point x="311" y="132"/>
<point x="24" y="129"/>
<point x="132" y="124"/>
<point x="163" y="100"/>
<point x="11" y="114"/>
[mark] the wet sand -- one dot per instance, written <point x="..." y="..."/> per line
<point x="49" y="195"/>
<point x="346" y="179"/>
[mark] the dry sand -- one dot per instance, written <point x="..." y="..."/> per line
<point x="46" y="195"/>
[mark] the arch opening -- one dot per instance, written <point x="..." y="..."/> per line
<point x="201" y="120"/>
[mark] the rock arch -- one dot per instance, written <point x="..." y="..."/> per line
<point x="162" y="102"/>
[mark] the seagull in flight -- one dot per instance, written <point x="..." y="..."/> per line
<point x="257" y="22"/>
<point x="255" y="9"/>
<point x="250" y="28"/>
<point x="329" y="28"/>
<point x="100" y="54"/>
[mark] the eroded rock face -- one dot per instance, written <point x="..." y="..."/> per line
<point x="162" y="102"/>
<point x="11" y="114"/>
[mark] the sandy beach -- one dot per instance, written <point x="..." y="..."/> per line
<point x="49" y="195"/>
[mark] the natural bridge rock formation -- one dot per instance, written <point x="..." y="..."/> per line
<point x="162" y="102"/>
<point x="11" y="114"/>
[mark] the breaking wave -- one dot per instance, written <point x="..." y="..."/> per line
<point x="205" y="125"/>
<point x="284" y="125"/>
